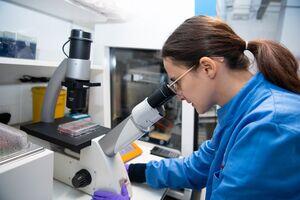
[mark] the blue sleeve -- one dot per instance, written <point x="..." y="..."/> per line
<point x="189" y="172"/>
<point x="263" y="163"/>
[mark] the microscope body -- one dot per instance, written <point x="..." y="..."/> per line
<point x="91" y="169"/>
<point x="74" y="74"/>
<point x="99" y="165"/>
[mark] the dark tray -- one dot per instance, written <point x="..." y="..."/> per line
<point x="49" y="132"/>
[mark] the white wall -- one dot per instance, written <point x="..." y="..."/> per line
<point x="276" y="24"/>
<point x="16" y="99"/>
<point x="253" y="29"/>
<point x="148" y="25"/>
<point x="290" y="30"/>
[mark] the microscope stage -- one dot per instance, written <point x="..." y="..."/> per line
<point x="49" y="132"/>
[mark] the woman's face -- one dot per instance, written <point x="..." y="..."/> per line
<point x="195" y="87"/>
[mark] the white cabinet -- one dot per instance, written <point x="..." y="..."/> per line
<point x="16" y="97"/>
<point x="34" y="63"/>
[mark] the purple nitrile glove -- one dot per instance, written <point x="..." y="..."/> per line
<point x="127" y="167"/>
<point x="104" y="195"/>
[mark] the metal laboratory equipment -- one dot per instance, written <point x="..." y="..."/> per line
<point x="91" y="161"/>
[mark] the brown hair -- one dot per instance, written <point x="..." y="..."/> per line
<point x="205" y="36"/>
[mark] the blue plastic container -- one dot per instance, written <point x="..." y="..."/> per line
<point x="15" y="45"/>
<point x="25" y="47"/>
<point x="8" y="41"/>
<point x="1" y="44"/>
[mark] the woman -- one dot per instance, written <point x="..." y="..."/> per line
<point x="255" y="149"/>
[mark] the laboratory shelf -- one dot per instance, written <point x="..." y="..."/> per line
<point x="38" y="63"/>
<point x="66" y="10"/>
<point x="27" y="62"/>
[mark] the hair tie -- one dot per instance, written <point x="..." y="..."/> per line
<point x="246" y="45"/>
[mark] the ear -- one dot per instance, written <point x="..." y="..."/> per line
<point x="209" y="66"/>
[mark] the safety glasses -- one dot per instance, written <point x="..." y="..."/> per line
<point x="174" y="85"/>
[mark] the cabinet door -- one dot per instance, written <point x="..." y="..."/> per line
<point x="134" y="75"/>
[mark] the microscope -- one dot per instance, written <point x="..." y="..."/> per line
<point x="74" y="74"/>
<point x="92" y="161"/>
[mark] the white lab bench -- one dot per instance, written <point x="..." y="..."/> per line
<point x="62" y="191"/>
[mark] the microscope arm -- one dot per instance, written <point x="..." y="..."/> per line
<point x="52" y="92"/>
<point x="143" y="116"/>
<point x="132" y="128"/>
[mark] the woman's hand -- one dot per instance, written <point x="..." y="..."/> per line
<point x="104" y="195"/>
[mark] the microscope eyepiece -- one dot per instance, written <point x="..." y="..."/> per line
<point x="80" y="35"/>
<point x="80" y="44"/>
<point x="160" y="96"/>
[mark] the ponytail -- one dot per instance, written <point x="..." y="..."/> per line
<point x="276" y="63"/>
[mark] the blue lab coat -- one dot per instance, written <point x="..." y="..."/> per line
<point x="254" y="152"/>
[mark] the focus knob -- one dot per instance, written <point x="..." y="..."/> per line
<point x="81" y="179"/>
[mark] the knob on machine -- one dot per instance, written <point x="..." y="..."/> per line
<point x="81" y="179"/>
